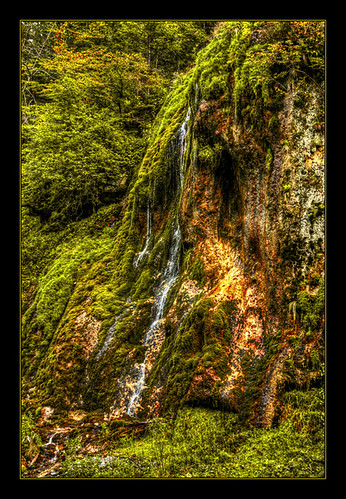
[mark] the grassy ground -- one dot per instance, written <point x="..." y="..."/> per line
<point x="205" y="443"/>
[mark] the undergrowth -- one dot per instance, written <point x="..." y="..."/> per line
<point x="206" y="443"/>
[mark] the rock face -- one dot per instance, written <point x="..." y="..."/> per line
<point x="216" y="277"/>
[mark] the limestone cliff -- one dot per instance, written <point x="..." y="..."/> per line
<point x="211" y="289"/>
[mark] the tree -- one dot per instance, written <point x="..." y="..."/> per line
<point x="88" y="136"/>
<point x="91" y="90"/>
<point x="36" y="46"/>
<point x="167" y="46"/>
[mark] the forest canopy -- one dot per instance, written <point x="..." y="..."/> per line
<point x="90" y="91"/>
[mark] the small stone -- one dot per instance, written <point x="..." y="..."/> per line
<point x="46" y="413"/>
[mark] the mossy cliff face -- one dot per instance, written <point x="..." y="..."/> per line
<point x="223" y="228"/>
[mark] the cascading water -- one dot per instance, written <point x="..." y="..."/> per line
<point x="182" y="145"/>
<point x="145" y="249"/>
<point x="169" y="276"/>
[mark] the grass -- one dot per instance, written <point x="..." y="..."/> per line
<point x="206" y="443"/>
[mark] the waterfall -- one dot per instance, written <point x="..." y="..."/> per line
<point x="169" y="276"/>
<point x="137" y="391"/>
<point x="182" y="146"/>
<point x="145" y="249"/>
<point x="150" y="339"/>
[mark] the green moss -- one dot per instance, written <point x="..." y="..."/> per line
<point x="310" y="308"/>
<point x="274" y="126"/>
<point x="196" y="272"/>
<point x="176" y="100"/>
<point x="58" y="287"/>
<point x="179" y="357"/>
<point x="269" y="158"/>
<point x="205" y="154"/>
<point x="199" y="345"/>
<point x="305" y="411"/>
<point x="144" y="285"/>
<point x="212" y="65"/>
<point x="211" y="351"/>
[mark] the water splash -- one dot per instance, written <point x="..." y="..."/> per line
<point x="50" y="441"/>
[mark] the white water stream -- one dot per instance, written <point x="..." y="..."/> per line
<point x="169" y="276"/>
<point x="145" y="249"/>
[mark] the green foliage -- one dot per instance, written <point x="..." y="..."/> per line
<point x="212" y="68"/>
<point x="36" y="45"/>
<point x="79" y="154"/>
<point x="104" y="467"/>
<point x="204" y="443"/>
<point x="305" y="411"/>
<point x="30" y="439"/>
<point x="73" y="446"/>
<point x="167" y="46"/>
<point x="287" y="50"/>
<point x="84" y="142"/>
